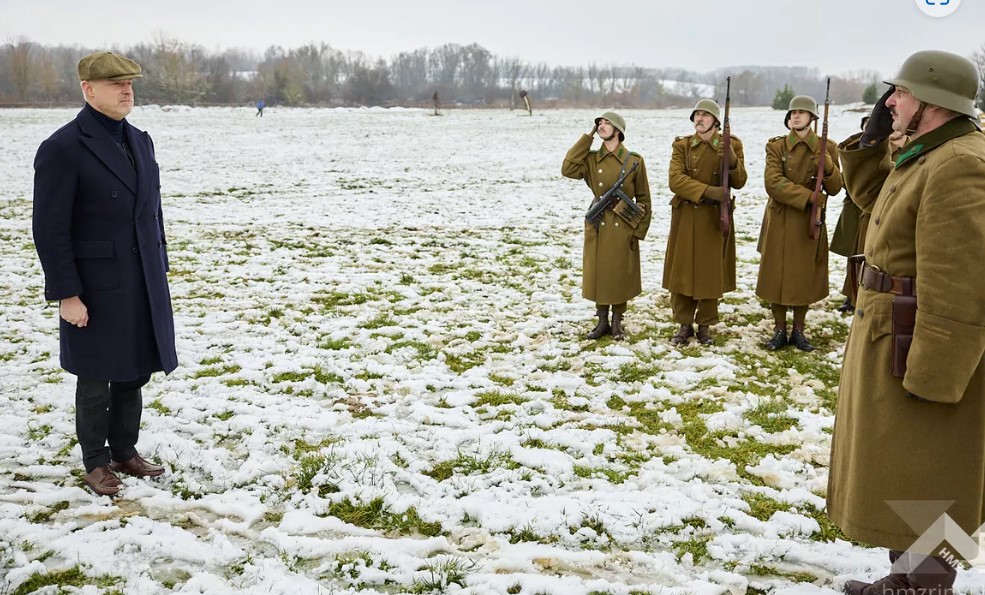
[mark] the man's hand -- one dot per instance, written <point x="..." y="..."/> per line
<point x="733" y="159"/>
<point x="74" y="311"/>
<point x="880" y="123"/>
<point x="593" y="131"/>
<point x="829" y="166"/>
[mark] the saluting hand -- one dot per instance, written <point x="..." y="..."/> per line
<point x="594" y="130"/>
<point x="74" y="311"/>
<point x="880" y="122"/>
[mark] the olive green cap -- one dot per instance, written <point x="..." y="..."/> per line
<point x="803" y="103"/>
<point x="100" y="66"/>
<point x="617" y="122"/>
<point x="710" y="106"/>
<point x="940" y="78"/>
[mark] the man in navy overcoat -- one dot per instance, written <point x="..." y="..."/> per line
<point x="99" y="233"/>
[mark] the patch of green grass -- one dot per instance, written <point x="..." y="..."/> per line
<point x="797" y="577"/>
<point x="443" y="573"/>
<point x="406" y="279"/>
<point x="302" y="447"/>
<point x="70" y="577"/>
<point x="381" y="321"/>
<point x="697" y="547"/>
<point x="424" y="351"/>
<point x="772" y="416"/>
<point x="495" y="398"/>
<point x="225" y="415"/>
<point x="39" y="432"/>
<point x="469" y="463"/>
<point x="636" y="372"/>
<point x="234" y="382"/>
<point x="615" y="402"/>
<point x="337" y="299"/>
<point x="213" y="372"/>
<point x="376" y="515"/>
<point x="335" y="344"/>
<point x="310" y="466"/>
<point x="317" y="373"/>
<point x="463" y="363"/>
<point x="45" y="515"/>
<point x="613" y="476"/>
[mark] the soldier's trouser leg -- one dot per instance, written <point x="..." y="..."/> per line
<point x="779" y="316"/>
<point x="619" y="309"/>
<point x="799" y="317"/>
<point x="107" y="411"/>
<point x="707" y="312"/>
<point x="683" y="307"/>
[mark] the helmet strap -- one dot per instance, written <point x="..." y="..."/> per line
<point x="911" y="128"/>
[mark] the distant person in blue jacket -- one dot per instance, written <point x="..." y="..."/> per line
<point x="260" y="105"/>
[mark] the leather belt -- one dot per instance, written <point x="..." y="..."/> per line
<point x="876" y="280"/>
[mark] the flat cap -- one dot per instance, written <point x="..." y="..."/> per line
<point x="108" y="66"/>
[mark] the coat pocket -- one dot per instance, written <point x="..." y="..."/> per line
<point x="97" y="265"/>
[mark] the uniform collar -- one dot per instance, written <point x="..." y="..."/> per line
<point x="810" y="140"/>
<point x="957" y="127"/>
<point x="714" y="141"/>
<point x="620" y="153"/>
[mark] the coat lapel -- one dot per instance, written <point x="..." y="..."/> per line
<point x="96" y="139"/>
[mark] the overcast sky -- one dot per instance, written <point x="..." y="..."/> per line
<point x="836" y="36"/>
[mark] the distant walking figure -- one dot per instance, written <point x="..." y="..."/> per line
<point x="260" y="106"/>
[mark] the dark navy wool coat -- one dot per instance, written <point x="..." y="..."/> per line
<point x="99" y="232"/>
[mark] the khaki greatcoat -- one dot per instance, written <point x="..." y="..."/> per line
<point x="611" y="256"/>
<point x="700" y="261"/>
<point x="793" y="269"/>
<point x="928" y="222"/>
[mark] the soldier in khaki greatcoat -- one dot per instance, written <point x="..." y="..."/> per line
<point x="611" y="257"/>
<point x="909" y="433"/>
<point x="793" y="270"/>
<point x="700" y="262"/>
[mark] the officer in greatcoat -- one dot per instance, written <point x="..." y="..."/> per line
<point x="908" y="444"/>
<point x="99" y="233"/>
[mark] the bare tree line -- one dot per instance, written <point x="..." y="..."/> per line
<point x="177" y="72"/>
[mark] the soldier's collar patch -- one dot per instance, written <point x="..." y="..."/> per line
<point x="935" y="138"/>
<point x="810" y="139"/>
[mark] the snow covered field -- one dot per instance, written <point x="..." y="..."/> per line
<point x="383" y="386"/>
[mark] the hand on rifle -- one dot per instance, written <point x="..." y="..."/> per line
<point x="733" y="159"/>
<point x="829" y="166"/>
<point x="712" y="193"/>
<point x="880" y="122"/>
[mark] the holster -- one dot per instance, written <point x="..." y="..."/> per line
<point x="904" y="320"/>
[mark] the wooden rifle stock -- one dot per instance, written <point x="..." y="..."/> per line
<point x="817" y="197"/>
<point x="725" y="207"/>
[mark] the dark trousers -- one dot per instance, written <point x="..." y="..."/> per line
<point x="107" y="412"/>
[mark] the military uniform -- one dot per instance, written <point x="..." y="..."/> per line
<point x="919" y="437"/>
<point x="699" y="267"/>
<point x="849" y="239"/>
<point x="611" y="255"/>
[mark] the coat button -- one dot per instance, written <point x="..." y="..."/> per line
<point x="134" y="250"/>
<point x="600" y="183"/>
<point x="892" y="188"/>
<point x="617" y="224"/>
<point x="600" y="170"/>
<point x="155" y="217"/>
<point x="603" y="223"/>
<point x="860" y="313"/>
<point x="921" y="159"/>
<point x="878" y="219"/>
<point x="114" y="194"/>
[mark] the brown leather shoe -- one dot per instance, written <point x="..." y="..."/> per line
<point x="103" y="481"/>
<point x="138" y="467"/>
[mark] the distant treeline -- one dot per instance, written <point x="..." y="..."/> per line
<point x="176" y="72"/>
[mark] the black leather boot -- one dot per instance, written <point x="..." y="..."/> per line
<point x="778" y="341"/>
<point x="704" y="335"/>
<point x="800" y="341"/>
<point x="618" y="332"/>
<point x="683" y="335"/>
<point x="602" y="328"/>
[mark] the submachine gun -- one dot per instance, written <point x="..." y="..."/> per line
<point x="613" y="196"/>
